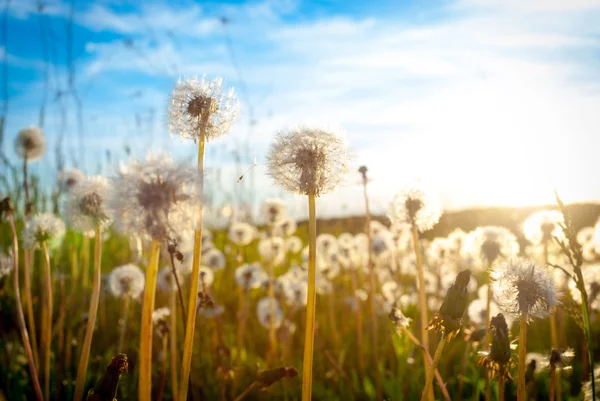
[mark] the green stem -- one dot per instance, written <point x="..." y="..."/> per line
<point x="431" y="369"/>
<point x="48" y="320"/>
<point x="521" y="387"/>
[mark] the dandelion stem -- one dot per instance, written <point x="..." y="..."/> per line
<point x="488" y="337"/>
<point x="163" y="369"/>
<point x="372" y="289"/>
<point x="191" y="315"/>
<point x="179" y="290"/>
<point x="20" y="315"/>
<point x="521" y="388"/>
<point x="173" y="343"/>
<point x="247" y="391"/>
<point x="359" y="328"/>
<point x="309" y="334"/>
<point x="28" y="204"/>
<point x="422" y="299"/>
<point x="85" y="255"/>
<point x="553" y="336"/>
<point x="27" y="259"/>
<point x="145" y="374"/>
<point x="552" y="382"/>
<point x="124" y="318"/>
<point x="48" y="319"/>
<point x="431" y="369"/>
<point x="501" y="388"/>
<point x="272" y="353"/>
<point x="91" y="323"/>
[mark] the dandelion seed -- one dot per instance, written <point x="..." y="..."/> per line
<point x="43" y="227"/>
<point x="308" y="160"/>
<point x="155" y="198"/>
<point x="30" y="144"/>
<point x="68" y="178"/>
<point x="199" y="105"/>
<point x="127" y="280"/>
<point x="160" y="321"/>
<point x="87" y="207"/>
<point x="398" y="318"/>
<point x="524" y="290"/>
<point x="414" y="205"/>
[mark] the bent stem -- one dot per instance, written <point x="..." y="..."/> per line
<point x="309" y="334"/>
<point x="521" y="388"/>
<point x="191" y="312"/>
<point x="247" y="391"/>
<point x="422" y="299"/>
<point x="20" y="316"/>
<point x="432" y="368"/>
<point x="91" y="323"/>
<point x="47" y="334"/>
<point x="145" y="374"/>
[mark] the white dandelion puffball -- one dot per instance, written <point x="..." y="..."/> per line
<point x="6" y="264"/>
<point x="490" y="243"/>
<point x="250" y="276"/>
<point x="307" y="160"/>
<point x="206" y="277"/>
<point x="68" y="178"/>
<point x="241" y="234"/>
<point x="272" y="250"/>
<point x="155" y="199"/>
<point x="214" y="259"/>
<point x="165" y="279"/>
<point x="293" y="244"/>
<point x="415" y="205"/>
<point x="591" y="278"/>
<point x="286" y="228"/>
<point x="296" y="293"/>
<point x="127" y="280"/>
<point x="477" y="311"/>
<point x="30" y="144"/>
<point x="87" y="205"/>
<point x="265" y="315"/>
<point x="523" y="289"/>
<point x="160" y="315"/>
<point x="198" y="102"/>
<point x="544" y="225"/>
<point x="43" y="227"/>
<point x="274" y="211"/>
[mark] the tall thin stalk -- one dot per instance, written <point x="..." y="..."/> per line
<point x="272" y="352"/>
<point x="145" y="357"/>
<point x="27" y="263"/>
<point x="359" y="325"/>
<point x="488" y="336"/>
<point x="85" y="255"/>
<point x="554" y="338"/>
<point x="521" y="386"/>
<point x="47" y="320"/>
<point x="431" y="369"/>
<point x="191" y="314"/>
<point x="124" y="318"/>
<point x="372" y="288"/>
<point x="309" y="334"/>
<point x="20" y="316"/>
<point x="422" y="300"/>
<point x="91" y="323"/>
<point x="173" y="343"/>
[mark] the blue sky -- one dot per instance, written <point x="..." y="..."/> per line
<point x="491" y="102"/>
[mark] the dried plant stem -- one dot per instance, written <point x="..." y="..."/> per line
<point x="501" y="388"/>
<point x="84" y="357"/>
<point x="145" y="373"/>
<point x="58" y="377"/>
<point x="173" y="343"/>
<point x="247" y="391"/>
<point x="553" y="333"/>
<point x="359" y="328"/>
<point x="309" y="334"/>
<point x="422" y="300"/>
<point x="85" y="256"/>
<point x="178" y="285"/>
<point x="243" y="318"/>
<point x="553" y="379"/>
<point x="438" y="377"/>
<point x="488" y="337"/>
<point x="191" y="315"/>
<point x="163" y="369"/>
<point x="431" y="369"/>
<point x="20" y="316"/>
<point x="47" y="332"/>
<point x="372" y="289"/>
<point x="27" y="264"/>
<point x="332" y="324"/>
<point x="521" y="387"/>
<point x="124" y="316"/>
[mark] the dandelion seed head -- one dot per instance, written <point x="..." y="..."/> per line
<point x="586" y="388"/>
<point x="166" y="279"/>
<point x="160" y="320"/>
<point x="250" y="276"/>
<point x="155" y="198"/>
<point x="542" y="226"/>
<point x="266" y="315"/>
<point x="87" y="205"/>
<point x="68" y="178"/>
<point x="308" y="160"/>
<point x="197" y="102"/>
<point x="30" y="144"/>
<point x="241" y="234"/>
<point x="214" y="259"/>
<point x="127" y="280"/>
<point x="398" y="318"/>
<point x="43" y="227"/>
<point x="488" y="244"/>
<point x="272" y="250"/>
<point x="415" y="205"/>
<point x="524" y="290"/>
<point x="6" y="264"/>
<point x="206" y="277"/>
<point x="293" y="244"/>
<point x="274" y="211"/>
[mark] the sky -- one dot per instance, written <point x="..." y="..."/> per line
<point x="489" y="102"/>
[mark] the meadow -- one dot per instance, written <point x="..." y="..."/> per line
<point x="113" y="288"/>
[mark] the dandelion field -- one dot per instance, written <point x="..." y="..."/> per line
<point x="114" y="288"/>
